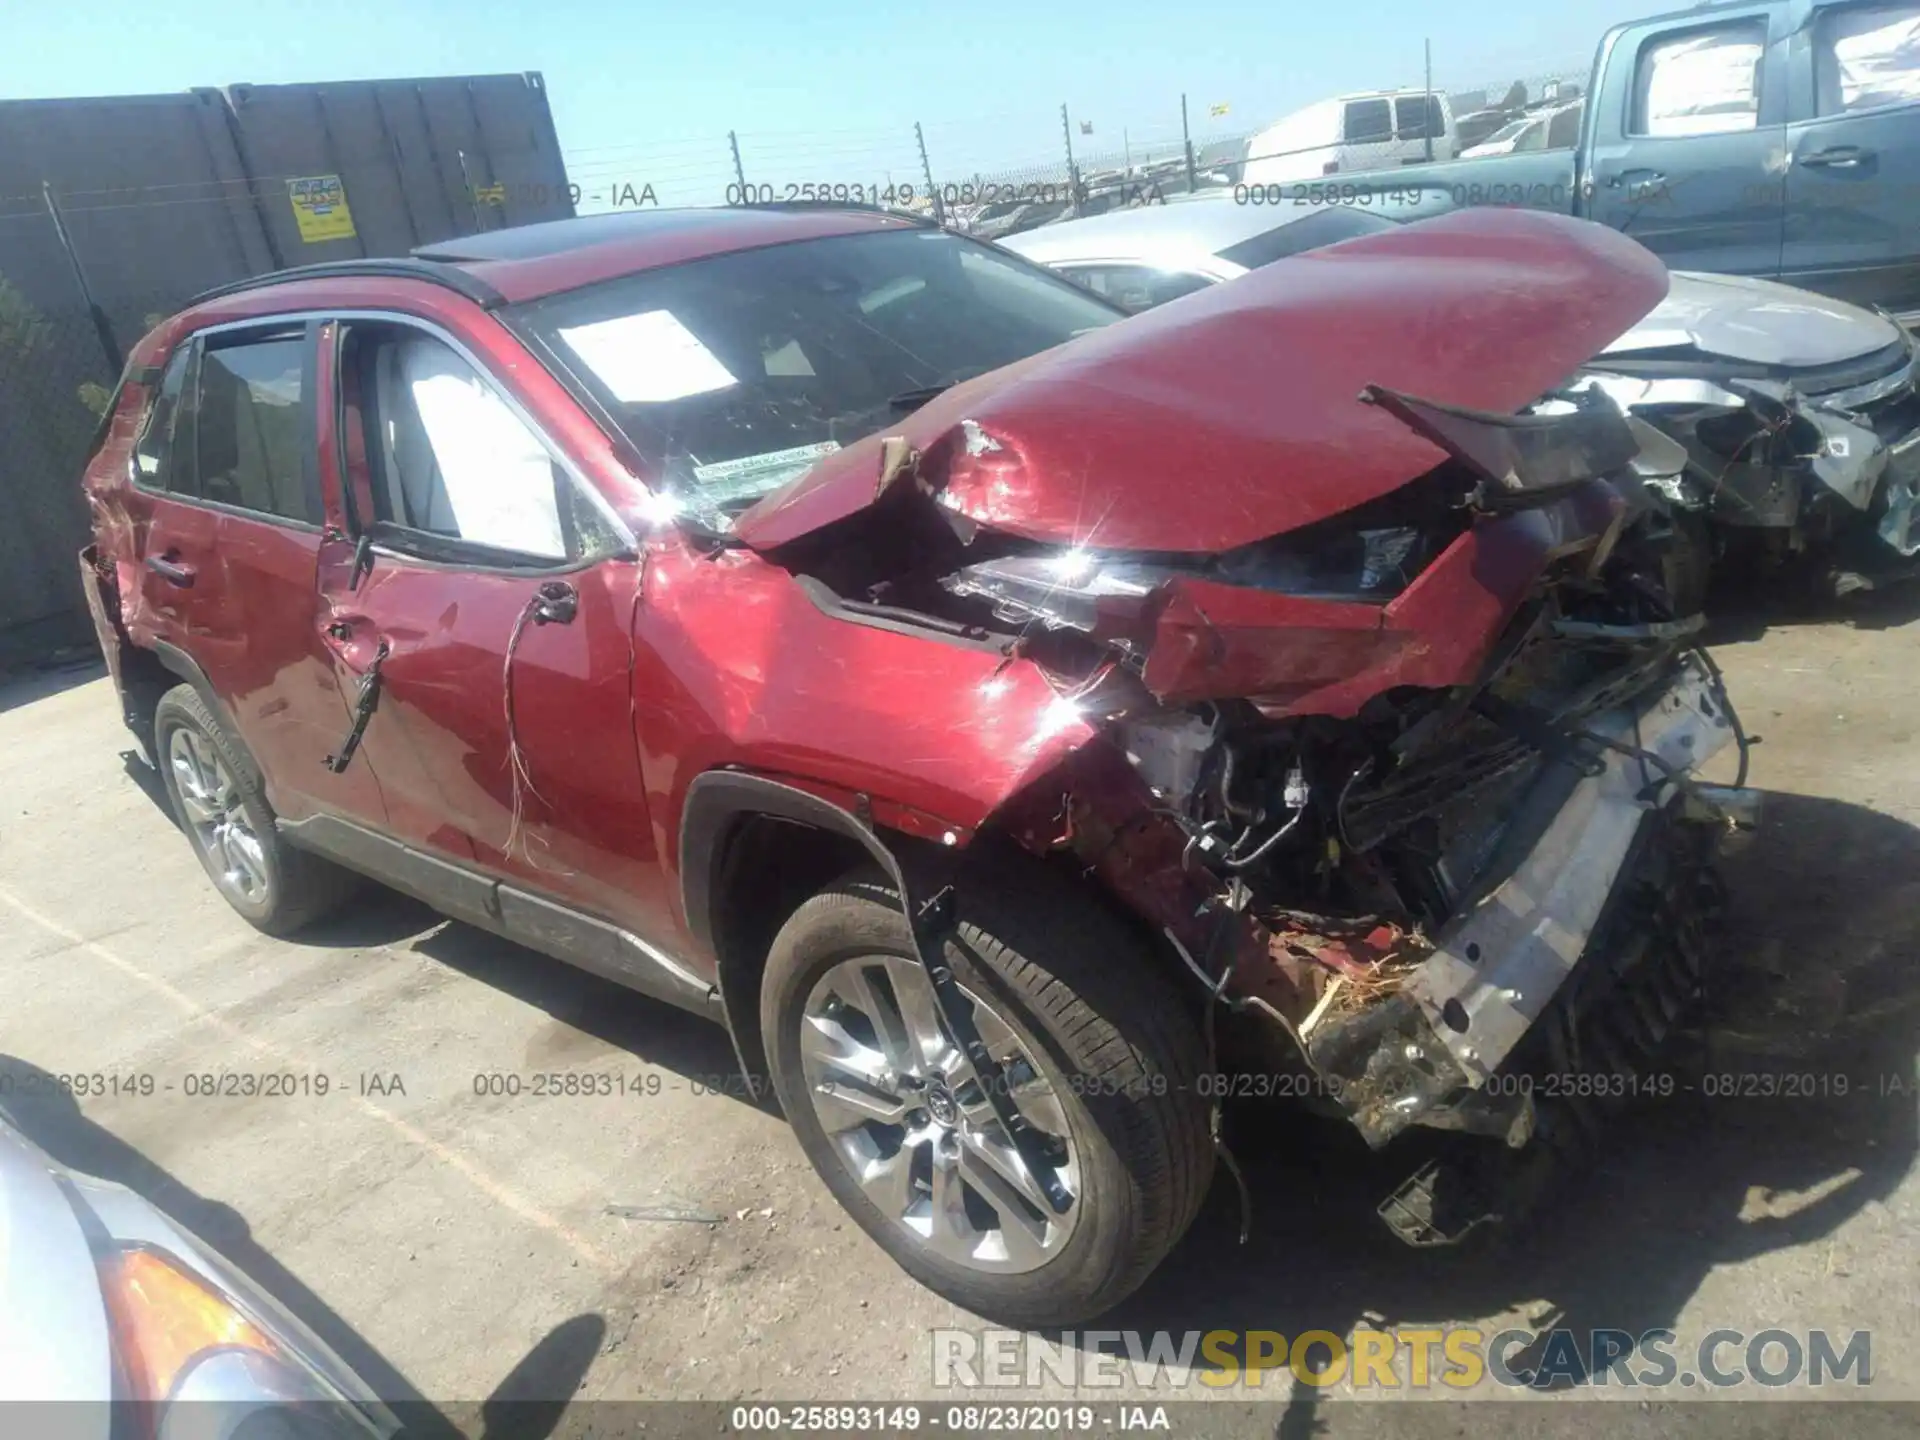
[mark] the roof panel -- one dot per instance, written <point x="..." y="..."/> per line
<point x="529" y="261"/>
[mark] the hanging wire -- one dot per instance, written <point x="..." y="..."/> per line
<point x="520" y="777"/>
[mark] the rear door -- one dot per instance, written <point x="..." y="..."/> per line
<point x="496" y="602"/>
<point x="1689" y="141"/>
<point x="1853" y="185"/>
<point x="235" y="519"/>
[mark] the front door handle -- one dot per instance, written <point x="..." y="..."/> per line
<point x="171" y="570"/>
<point x="1637" y="179"/>
<point x="1840" y="157"/>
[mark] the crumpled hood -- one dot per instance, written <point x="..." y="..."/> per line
<point x="1233" y="414"/>
<point x="1736" y="317"/>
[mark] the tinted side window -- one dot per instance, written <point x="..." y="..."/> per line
<point x="150" y="455"/>
<point x="1563" y="129"/>
<point x="1866" y="56"/>
<point x="1368" y="120"/>
<point x="250" y="426"/>
<point x="1704" y="82"/>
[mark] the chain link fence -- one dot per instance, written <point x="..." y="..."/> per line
<point x="1077" y="164"/>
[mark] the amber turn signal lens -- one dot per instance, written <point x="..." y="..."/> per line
<point x="162" y="1317"/>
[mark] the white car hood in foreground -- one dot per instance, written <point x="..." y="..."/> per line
<point x="53" y="1322"/>
<point x="1757" y="321"/>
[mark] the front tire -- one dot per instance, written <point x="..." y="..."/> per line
<point x="1099" y="1051"/>
<point x="220" y="802"/>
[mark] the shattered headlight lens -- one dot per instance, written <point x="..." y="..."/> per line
<point x="1081" y="590"/>
<point x="1071" y="590"/>
<point x="1372" y="564"/>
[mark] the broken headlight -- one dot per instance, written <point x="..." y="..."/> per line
<point x="1071" y="590"/>
<point x="1081" y="590"/>
<point x="1371" y="564"/>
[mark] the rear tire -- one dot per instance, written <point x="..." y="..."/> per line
<point x="1108" y="1060"/>
<point x="220" y="802"/>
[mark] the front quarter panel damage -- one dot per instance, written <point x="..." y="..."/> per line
<point x="737" y="665"/>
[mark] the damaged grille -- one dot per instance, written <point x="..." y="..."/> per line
<point x="1485" y="744"/>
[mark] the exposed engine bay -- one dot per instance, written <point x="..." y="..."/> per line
<point x="1388" y="883"/>
<point x="1381" y="712"/>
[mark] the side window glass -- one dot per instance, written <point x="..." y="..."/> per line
<point x="156" y="438"/>
<point x="1865" y="57"/>
<point x="448" y="457"/>
<point x="1563" y="128"/>
<point x="1705" y="82"/>
<point x="1367" y="120"/>
<point x="250" y="430"/>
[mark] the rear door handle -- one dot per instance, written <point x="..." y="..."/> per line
<point x="171" y="571"/>
<point x="1840" y="157"/>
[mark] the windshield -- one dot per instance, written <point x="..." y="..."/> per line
<point x="735" y="374"/>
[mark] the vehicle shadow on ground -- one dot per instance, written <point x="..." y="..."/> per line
<point x="579" y="1003"/>
<point x="1818" y="977"/>
<point x="527" y="1403"/>
<point x="40" y="682"/>
<point x="1742" y="610"/>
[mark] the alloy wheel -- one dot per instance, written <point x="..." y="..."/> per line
<point x="217" y="816"/>
<point x="904" y="1109"/>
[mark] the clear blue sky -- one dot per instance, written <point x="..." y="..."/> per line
<point x="817" y="89"/>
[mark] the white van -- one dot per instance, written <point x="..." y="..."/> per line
<point x="1368" y="131"/>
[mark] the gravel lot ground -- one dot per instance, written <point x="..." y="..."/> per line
<point x="458" y="1246"/>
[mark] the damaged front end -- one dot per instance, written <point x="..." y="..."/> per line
<point x="1387" y="782"/>
<point x="1791" y="461"/>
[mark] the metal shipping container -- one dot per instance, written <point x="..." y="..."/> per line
<point x="162" y="196"/>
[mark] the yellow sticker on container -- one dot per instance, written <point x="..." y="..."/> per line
<point x="320" y="208"/>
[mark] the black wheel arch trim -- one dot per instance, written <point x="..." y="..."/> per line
<point x="188" y="669"/>
<point x="719" y="797"/>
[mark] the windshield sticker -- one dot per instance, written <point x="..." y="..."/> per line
<point x="726" y="480"/>
<point x="648" y="358"/>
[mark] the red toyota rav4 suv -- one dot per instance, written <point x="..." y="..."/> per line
<point x="1020" y="726"/>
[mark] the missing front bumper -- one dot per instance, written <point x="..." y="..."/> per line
<point x="1426" y="1053"/>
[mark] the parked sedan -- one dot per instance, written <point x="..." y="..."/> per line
<point x="1798" y="412"/>
<point x="115" y="1320"/>
<point x="979" y="701"/>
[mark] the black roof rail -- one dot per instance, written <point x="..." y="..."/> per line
<point x="452" y="277"/>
